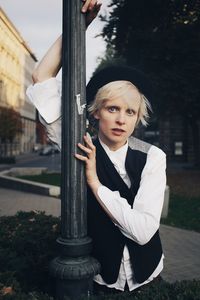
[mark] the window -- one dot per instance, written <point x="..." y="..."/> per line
<point x="178" y="148"/>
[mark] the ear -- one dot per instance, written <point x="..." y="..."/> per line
<point x="96" y="115"/>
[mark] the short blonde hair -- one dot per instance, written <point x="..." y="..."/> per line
<point x="119" y="88"/>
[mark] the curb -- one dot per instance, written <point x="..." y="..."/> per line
<point x="8" y="181"/>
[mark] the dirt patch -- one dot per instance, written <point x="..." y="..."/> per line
<point x="184" y="182"/>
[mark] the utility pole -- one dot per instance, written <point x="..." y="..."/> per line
<point x="73" y="268"/>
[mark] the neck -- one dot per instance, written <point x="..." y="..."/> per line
<point x="111" y="146"/>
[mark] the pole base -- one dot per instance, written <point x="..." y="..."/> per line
<point x="74" y="276"/>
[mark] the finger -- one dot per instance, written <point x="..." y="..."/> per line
<point x="81" y="157"/>
<point x="88" y="135"/>
<point x="98" y="6"/>
<point x="89" y="142"/>
<point x="85" y="6"/>
<point x="85" y="149"/>
<point x="92" y="5"/>
<point x="93" y="9"/>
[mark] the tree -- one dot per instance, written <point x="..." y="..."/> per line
<point x="162" y="38"/>
<point x="10" y="124"/>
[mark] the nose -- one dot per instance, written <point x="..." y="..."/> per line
<point x="120" y="118"/>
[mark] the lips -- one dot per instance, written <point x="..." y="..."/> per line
<point x="118" y="130"/>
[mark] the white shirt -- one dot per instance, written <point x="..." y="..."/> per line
<point x="138" y="223"/>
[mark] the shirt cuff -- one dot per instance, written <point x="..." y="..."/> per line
<point x="46" y="97"/>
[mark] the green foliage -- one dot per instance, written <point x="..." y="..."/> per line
<point x="10" y="124"/>
<point x="49" y="178"/>
<point x="26" y="296"/>
<point x="162" y="38"/>
<point x="183" y="213"/>
<point x="27" y="245"/>
<point x="185" y="290"/>
<point x="110" y="58"/>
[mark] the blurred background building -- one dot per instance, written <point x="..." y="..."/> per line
<point x="17" y="115"/>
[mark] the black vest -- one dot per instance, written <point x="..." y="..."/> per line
<point x="108" y="241"/>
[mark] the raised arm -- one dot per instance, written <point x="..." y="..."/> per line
<point x="50" y="64"/>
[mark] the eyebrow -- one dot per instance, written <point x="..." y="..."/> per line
<point x="113" y="105"/>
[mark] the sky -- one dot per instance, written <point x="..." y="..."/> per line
<point x="40" y="23"/>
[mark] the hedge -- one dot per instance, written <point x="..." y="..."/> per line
<point x="27" y="245"/>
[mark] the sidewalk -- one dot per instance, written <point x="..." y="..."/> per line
<point x="181" y="247"/>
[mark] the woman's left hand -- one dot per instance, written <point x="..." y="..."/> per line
<point x="91" y="8"/>
<point x="90" y="162"/>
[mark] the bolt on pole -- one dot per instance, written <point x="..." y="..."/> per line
<point x="73" y="269"/>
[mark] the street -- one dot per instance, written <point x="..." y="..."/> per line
<point x="52" y="162"/>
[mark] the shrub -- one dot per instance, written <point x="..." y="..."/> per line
<point x="27" y="245"/>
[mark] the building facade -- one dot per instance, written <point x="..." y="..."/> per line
<point x="179" y="137"/>
<point x="16" y="64"/>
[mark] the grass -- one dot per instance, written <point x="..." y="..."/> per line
<point x="184" y="204"/>
<point x="183" y="212"/>
<point x="48" y="178"/>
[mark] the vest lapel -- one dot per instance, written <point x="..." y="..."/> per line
<point x="109" y="176"/>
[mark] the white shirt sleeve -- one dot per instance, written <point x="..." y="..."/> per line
<point x="46" y="97"/>
<point x="142" y="221"/>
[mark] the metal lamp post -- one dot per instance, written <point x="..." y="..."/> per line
<point x="73" y="269"/>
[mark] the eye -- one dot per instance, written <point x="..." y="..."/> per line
<point x="131" y="112"/>
<point x="112" y="109"/>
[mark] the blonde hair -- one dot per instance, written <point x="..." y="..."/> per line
<point x="119" y="88"/>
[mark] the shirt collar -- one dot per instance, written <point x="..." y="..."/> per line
<point x="118" y="157"/>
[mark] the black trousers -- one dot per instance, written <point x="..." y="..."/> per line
<point x="99" y="289"/>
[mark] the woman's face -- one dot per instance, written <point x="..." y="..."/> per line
<point x="117" y="118"/>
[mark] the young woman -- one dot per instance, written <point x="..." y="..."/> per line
<point x="125" y="176"/>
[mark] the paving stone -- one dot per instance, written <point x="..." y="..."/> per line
<point x="13" y="201"/>
<point x="181" y="248"/>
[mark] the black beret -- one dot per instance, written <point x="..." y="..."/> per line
<point x="114" y="73"/>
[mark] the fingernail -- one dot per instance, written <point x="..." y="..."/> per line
<point x="88" y="136"/>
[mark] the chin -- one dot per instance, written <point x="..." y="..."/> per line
<point x="118" y="139"/>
